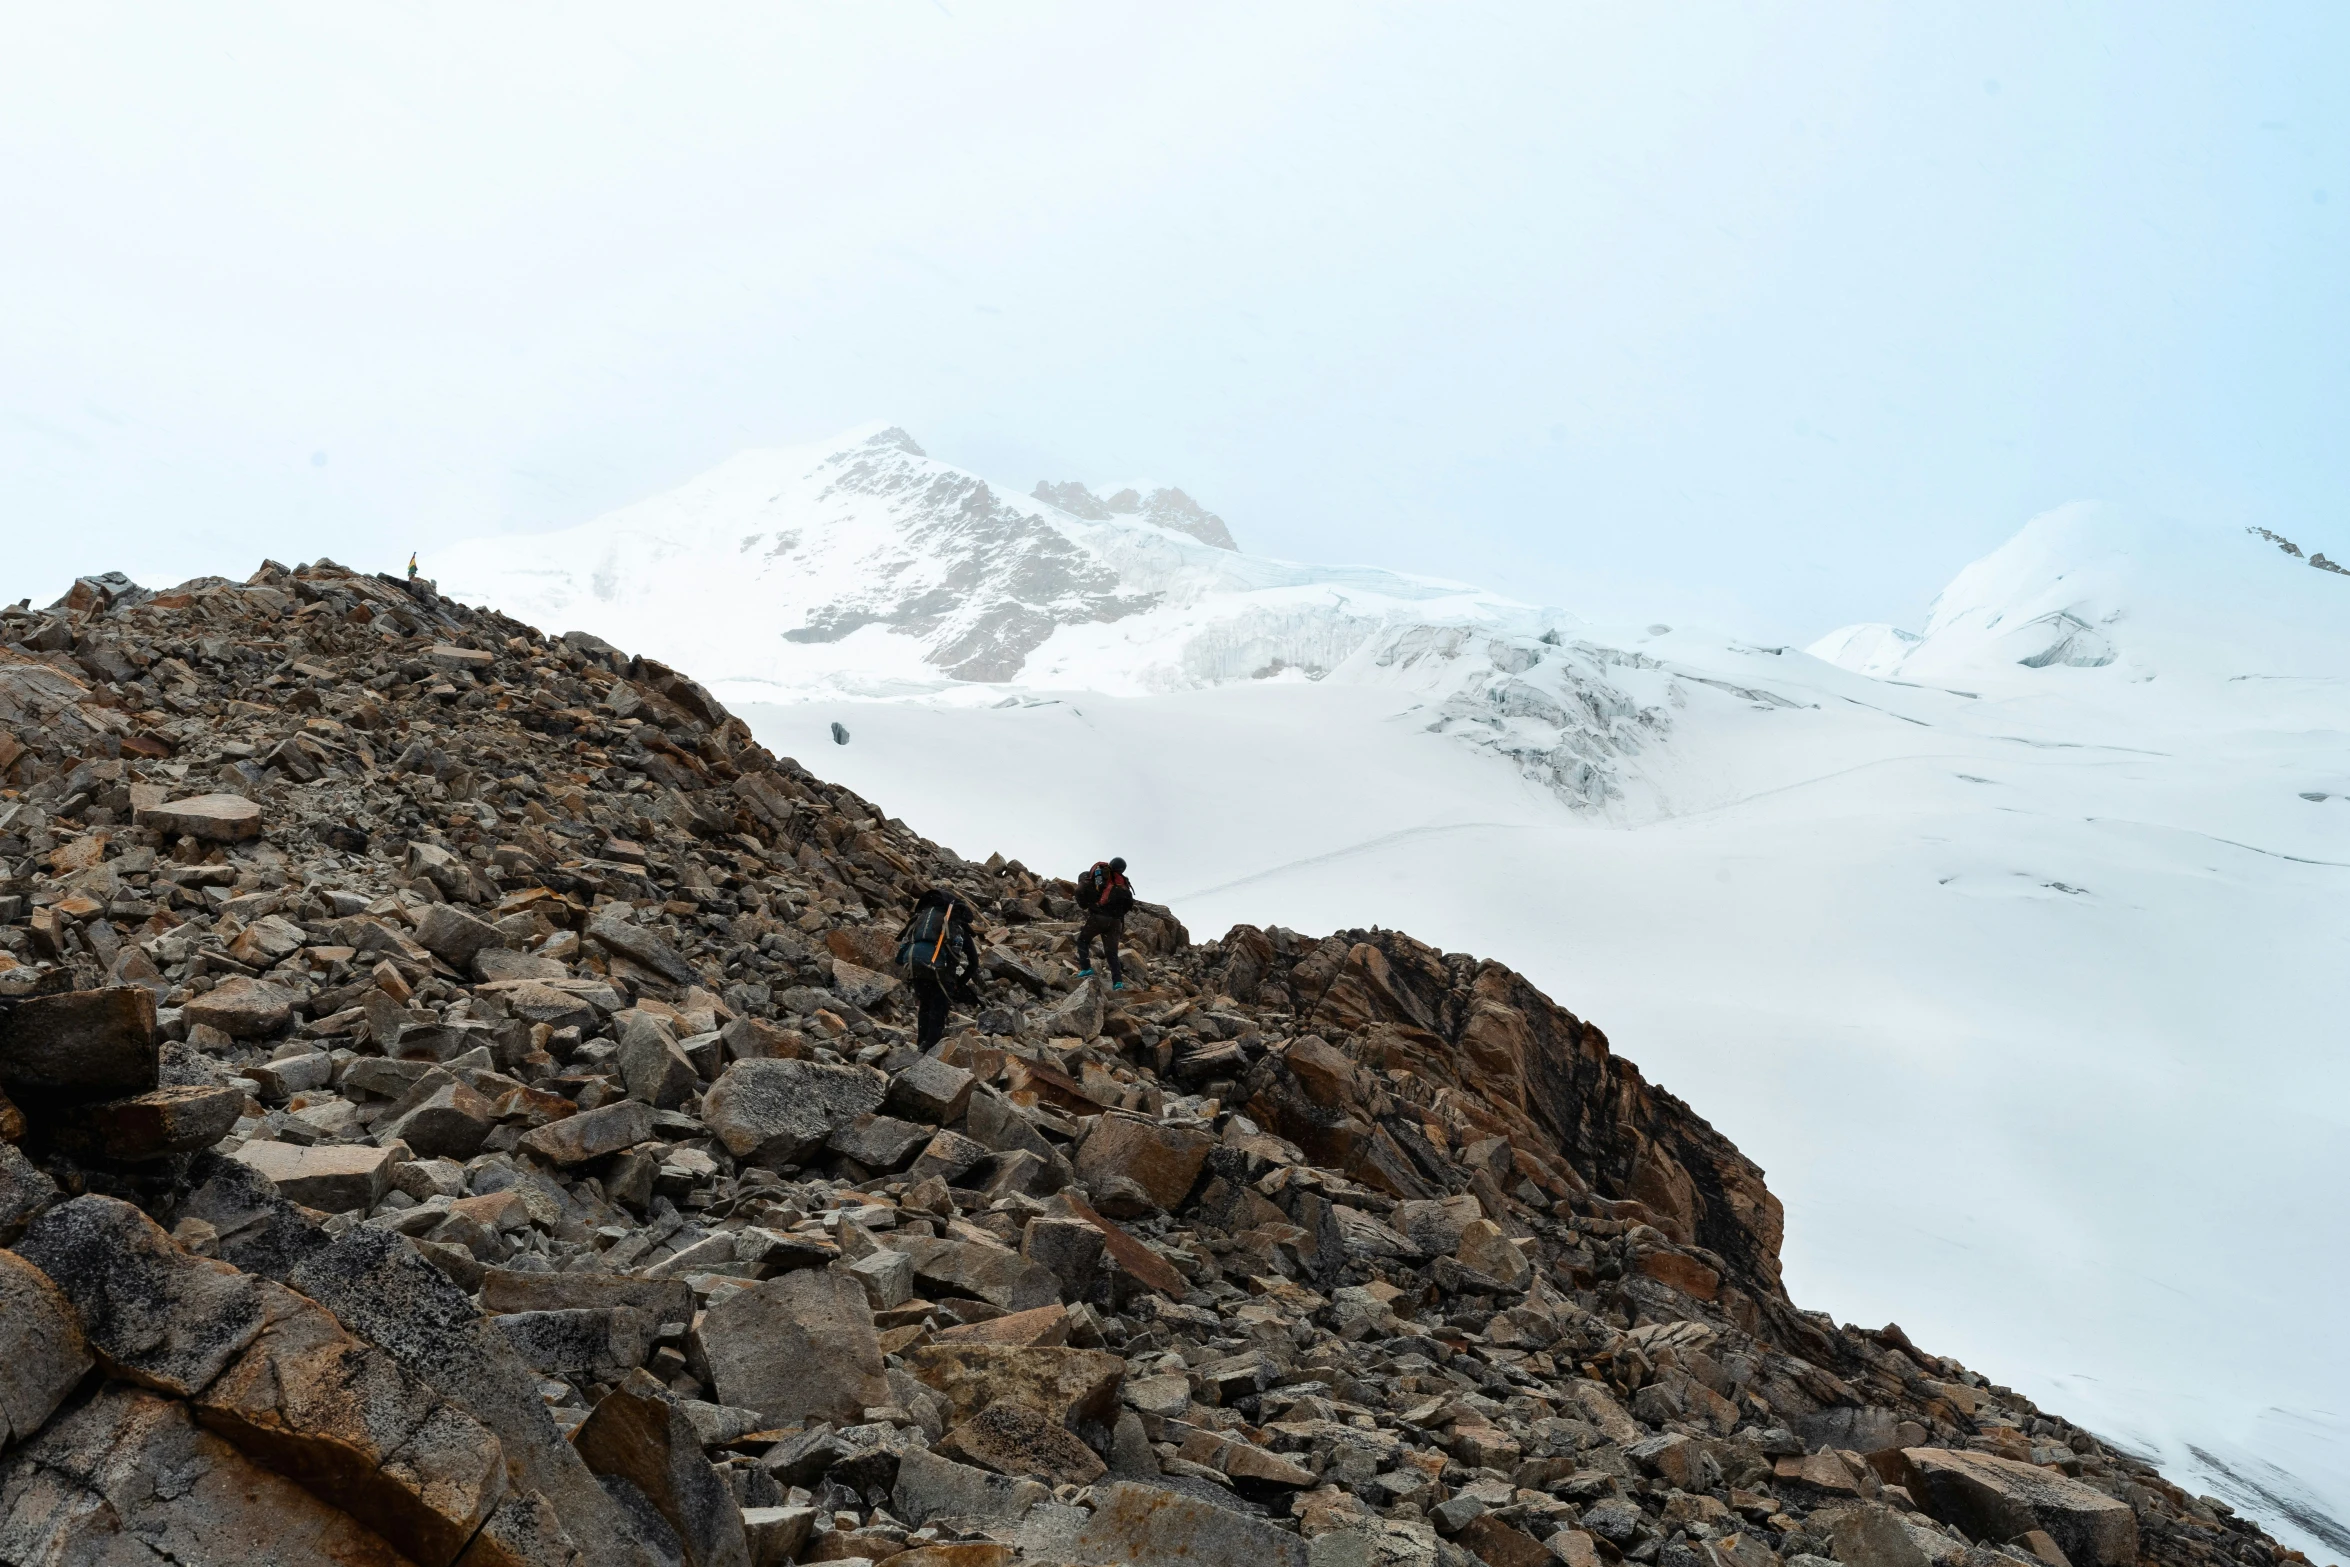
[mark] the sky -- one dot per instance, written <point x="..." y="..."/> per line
<point x="1765" y="317"/>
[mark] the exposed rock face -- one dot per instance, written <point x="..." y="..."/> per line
<point x="513" y="1153"/>
<point x="1169" y="508"/>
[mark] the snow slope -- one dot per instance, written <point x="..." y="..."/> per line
<point x="2014" y="971"/>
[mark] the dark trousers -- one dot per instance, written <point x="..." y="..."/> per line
<point x="930" y="995"/>
<point x="1111" y="931"/>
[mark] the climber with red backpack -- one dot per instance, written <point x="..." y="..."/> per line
<point x="1105" y="895"/>
<point x="940" y="959"/>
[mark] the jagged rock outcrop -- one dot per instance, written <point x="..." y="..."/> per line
<point x="462" y="1113"/>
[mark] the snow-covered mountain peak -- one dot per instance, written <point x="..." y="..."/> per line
<point x="2092" y="586"/>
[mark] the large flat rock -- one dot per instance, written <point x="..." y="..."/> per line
<point x="1999" y="1499"/>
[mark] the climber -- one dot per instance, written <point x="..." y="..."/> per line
<point x="940" y="959"/>
<point x="1105" y="895"/>
<point x="411" y="565"/>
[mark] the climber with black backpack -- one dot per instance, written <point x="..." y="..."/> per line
<point x="940" y="959"/>
<point x="1105" y="895"/>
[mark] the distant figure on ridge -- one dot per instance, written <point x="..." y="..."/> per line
<point x="1105" y="895"/>
<point x="411" y="565"/>
<point x="940" y="959"/>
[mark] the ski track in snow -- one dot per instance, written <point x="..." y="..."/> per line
<point x="2007" y="947"/>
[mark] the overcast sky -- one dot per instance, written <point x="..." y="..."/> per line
<point x="1770" y="316"/>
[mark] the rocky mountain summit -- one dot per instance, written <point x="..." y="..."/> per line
<point x="460" y="1110"/>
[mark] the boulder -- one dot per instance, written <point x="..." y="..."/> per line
<point x="1145" y="1526"/>
<point x="1162" y="1160"/>
<point x="654" y="1069"/>
<point x="454" y="936"/>
<point x="638" y="1434"/>
<point x="1014" y="1439"/>
<point x="584" y="1344"/>
<point x="86" y="1490"/>
<point x="330" y="1177"/>
<point x="640" y="946"/>
<point x="347" y="1421"/>
<point x="1433" y="1225"/>
<point x="442" y="1119"/>
<point x="887" y="1277"/>
<point x="670" y="1302"/>
<point x="1071" y="1248"/>
<point x="930" y="1487"/>
<point x="242" y="1008"/>
<point x="25" y="1189"/>
<point x="773" y="1113"/>
<point x="209" y="818"/>
<point x="82" y="1045"/>
<point x="166" y="1121"/>
<point x="878" y="1142"/>
<point x="591" y="1134"/>
<point x="153" y="1314"/>
<point x="1078" y="1388"/>
<point x="862" y="987"/>
<point x="2000" y="1499"/>
<point x="1045" y="1326"/>
<point x="1485" y="1248"/>
<point x="381" y="1290"/>
<point x="799" y="1347"/>
<point x="42" y="1352"/>
<point x="930" y="1091"/>
<point x="995" y="1274"/>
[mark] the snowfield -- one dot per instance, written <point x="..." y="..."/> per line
<point x="2008" y="946"/>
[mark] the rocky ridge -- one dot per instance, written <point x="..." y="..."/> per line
<point x="459" y="1109"/>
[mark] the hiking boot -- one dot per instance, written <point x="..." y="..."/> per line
<point x="1085" y="973"/>
<point x="1117" y="984"/>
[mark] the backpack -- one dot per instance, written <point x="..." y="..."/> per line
<point x="1099" y="889"/>
<point x="928" y="942"/>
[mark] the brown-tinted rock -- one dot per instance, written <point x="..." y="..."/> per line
<point x="166" y="1121"/>
<point x="451" y="934"/>
<point x="86" y="1491"/>
<point x="381" y="1290"/>
<point x="210" y="818"/>
<point x="1999" y="1499"/>
<point x="25" y="1189"/>
<point x="345" y="1420"/>
<point x="331" y="1177"/>
<point x="1162" y="1160"/>
<point x="1044" y="1327"/>
<point x="995" y="1274"/>
<point x="669" y="1301"/>
<point x="42" y="1352"/>
<point x="1485" y="1248"/>
<point x="82" y="1045"/>
<point x="591" y="1134"/>
<point x="154" y="1315"/>
<point x="446" y="1120"/>
<point x="1144" y="1526"/>
<point x="242" y="1008"/>
<point x="1076" y="1387"/>
<point x="637" y="1434"/>
<point x="1014" y="1439"/>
